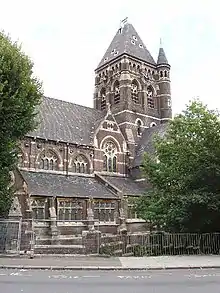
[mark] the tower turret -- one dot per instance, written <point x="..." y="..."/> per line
<point x="164" y="94"/>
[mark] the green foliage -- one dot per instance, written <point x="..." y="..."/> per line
<point x="185" y="173"/>
<point x="20" y="93"/>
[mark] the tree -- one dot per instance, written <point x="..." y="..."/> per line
<point x="185" y="173"/>
<point x="20" y="93"/>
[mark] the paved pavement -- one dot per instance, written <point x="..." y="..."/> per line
<point x="111" y="263"/>
<point x="181" y="281"/>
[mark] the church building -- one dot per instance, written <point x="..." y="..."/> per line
<point x="80" y="156"/>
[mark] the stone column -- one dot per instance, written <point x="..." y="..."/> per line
<point x="91" y="237"/>
<point x="122" y="229"/>
<point x="122" y="214"/>
<point x="53" y="223"/>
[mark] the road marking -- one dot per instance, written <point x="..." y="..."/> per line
<point x="134" y="277"/>
<point x="59" y="276"/>
<point x="201" y="276"/>
<point x="16" y="274"/>
<point x="91" y="276"/>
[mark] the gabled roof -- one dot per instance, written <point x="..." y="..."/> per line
<point x="127" y="41"/>
<point x="65" y="121"/>
<point x="146" y="143"/>
<point x="126" y="185"/>
<point x="48" y="184"/>
<point x="162" y="59"/>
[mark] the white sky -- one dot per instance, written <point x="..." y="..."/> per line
<point x="67" y="39"/>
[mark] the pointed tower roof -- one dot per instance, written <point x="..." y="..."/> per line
<point x="162" y="59"/>
<point x="127" y="41"/>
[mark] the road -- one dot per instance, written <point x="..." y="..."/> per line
<point x="28" y="281"/>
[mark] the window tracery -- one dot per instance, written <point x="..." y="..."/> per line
<point x="110" y="157"/>
<point x="70" y="209"/>
<point x="139" y="124"/>
<point x="39" y="208"/>
<point x="150" y="97"/>
<point x="103" y="99"/>
<point x="116" y="92"/>
<point x="49" y="160"/>
<point x="80" y="164"/>
<point x="134" y="92"/>
<point x="104" y="211"/>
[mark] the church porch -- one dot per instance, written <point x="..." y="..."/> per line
<point x="66" y="209"/>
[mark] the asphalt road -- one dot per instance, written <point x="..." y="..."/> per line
<point x="196" y="281"/>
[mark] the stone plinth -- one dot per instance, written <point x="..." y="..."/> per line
<point x="91" y="241"/>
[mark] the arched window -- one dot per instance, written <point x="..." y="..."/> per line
<point x="165" y="73"/>
<point x="161" y="73"/>
<point x="139" y="124"/>
<point x="134" y="92"/>
<point x="116" y="92"/>
<point x="49" y="160"/>
<point x="103" y="98"/>
<point x="150" y="97"/>
<point x="110" y="157"/>
<point x="80" y="164"/>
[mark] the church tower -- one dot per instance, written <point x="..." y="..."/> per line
<point x="136" y="87"/>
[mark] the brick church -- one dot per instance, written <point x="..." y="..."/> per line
<point x="80" y="156"/>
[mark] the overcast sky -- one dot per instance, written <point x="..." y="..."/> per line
<point x="67" y="39"/>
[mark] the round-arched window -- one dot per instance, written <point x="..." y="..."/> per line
<point x="139" y="124"/>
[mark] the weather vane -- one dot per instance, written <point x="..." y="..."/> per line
<point x="122" y="23"/>
<point x="124" y="20"/>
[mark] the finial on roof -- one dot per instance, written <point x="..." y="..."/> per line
<point x="162" y="59"/>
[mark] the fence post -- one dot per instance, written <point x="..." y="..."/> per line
<point x="32" y="239"/>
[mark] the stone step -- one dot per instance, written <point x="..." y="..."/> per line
<point x="128" y="254"/>
<point x="59" y="249"/>
<point x="118" y="252"/>
<point x="61" y="239"/>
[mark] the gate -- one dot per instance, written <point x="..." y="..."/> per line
<point x="10" y="236"/>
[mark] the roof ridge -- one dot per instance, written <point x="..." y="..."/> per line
<point x="68" y="102"/>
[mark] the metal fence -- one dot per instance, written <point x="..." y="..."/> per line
<point x="16" y="237"/>
<point x="157" y="244"/>
<point x="83" y="237"/>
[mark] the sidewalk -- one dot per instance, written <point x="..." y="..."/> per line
<point x="111" y="263"/>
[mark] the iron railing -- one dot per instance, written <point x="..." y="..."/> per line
<point x="157" y="244"/>
<point x="83" y="237"/>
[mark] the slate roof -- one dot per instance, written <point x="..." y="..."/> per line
<point x="146" y="143"/>
<point x="127" y="185"/>
<point x="48" y="184"/>
<point x="162" y="59"/>
<point x="65" y="121"/>
<point x="127" y="42"/>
